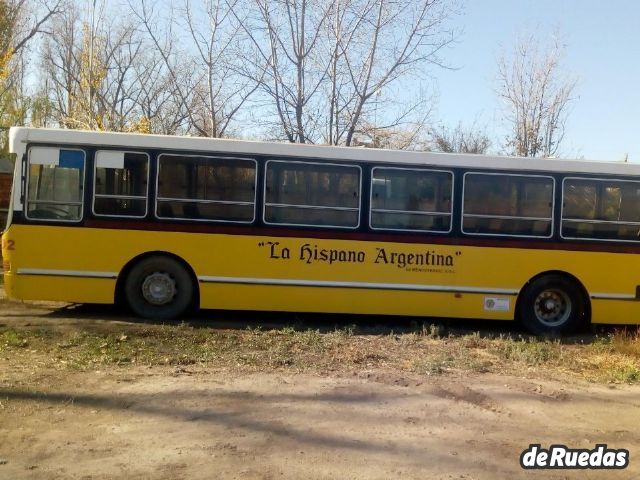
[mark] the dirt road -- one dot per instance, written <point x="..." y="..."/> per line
<point x="196" y="422"/>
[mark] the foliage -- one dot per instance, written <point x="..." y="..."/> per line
<point x="460" y="140"/>
<point x="7" y="32"/>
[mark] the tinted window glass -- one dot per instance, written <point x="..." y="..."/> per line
<point x="411" y="221"/>
<point x="230" y="212"/>
<point x="206" y="178"/>
<point x="508" y="195"/>
<point x="55" y="187"/>
<point x="579" y="199"/>
<point x="601" y="209"/>
<point x="312" y="194"/>
<point x="508" y="205"/>
<point x="304" y="216"/>
<point x="121" y="183"/>
<point x="206" y="188"/>
<point x="411" y="199"/>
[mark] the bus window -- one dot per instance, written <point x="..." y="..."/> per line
<point x="120" y="183"/>
<point x="502" y="204"/>
<point x="206" y="188"/>
<point x="411" y="199"/>
<point x="314" y="194"/>
<point x="54" y="186"/>
<point x="601" y="209"/>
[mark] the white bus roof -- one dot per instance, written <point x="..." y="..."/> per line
<point x="20" y="136"/>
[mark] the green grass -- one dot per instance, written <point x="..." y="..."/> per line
<point x="11" y="338"/>
<point x="625" y="374"/>
<point x="530" y="351"/>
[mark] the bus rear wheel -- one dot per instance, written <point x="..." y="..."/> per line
<point x="552" y="305"/>
<point x="159" y="288"/>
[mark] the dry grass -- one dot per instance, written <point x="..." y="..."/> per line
<point x="426" y="350"/>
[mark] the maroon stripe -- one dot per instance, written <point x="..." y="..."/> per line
<point x="399" y="237"/>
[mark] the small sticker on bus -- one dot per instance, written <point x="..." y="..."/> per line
<point x="496" y="304"/>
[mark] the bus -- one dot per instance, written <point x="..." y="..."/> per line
<point x="167" y="224"/>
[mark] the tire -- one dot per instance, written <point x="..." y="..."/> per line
<point x="159" y="288"/>
<point x="552" y="305"/>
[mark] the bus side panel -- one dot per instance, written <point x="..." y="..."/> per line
<point x="348" y="300"/>
<point x="241" y="272"/>
<point x="65" y="289"/>
<point x="618" y="312"/>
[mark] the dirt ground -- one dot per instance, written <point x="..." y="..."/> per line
<point x="201" y="422"/>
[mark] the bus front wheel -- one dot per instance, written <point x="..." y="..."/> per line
<point x="159" y="288"/>
<point x="552" y="305"/>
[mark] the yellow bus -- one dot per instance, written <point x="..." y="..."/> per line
<point x="166" y="224"/>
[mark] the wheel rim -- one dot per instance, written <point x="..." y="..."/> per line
<point x="552" y="307"/>
<point x="158" y="288"/>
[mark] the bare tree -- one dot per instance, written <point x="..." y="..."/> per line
<point x="21" y="22"/>
<point x="460" y="140"/>
<point x="327" y="71"/>
<point x="536" y="98"/>
<point x="330" y="66"/>
<point x="392" y="41"/>
<point x="215" y="36"/>
<point x="405" y="137"/>
<point x="200" y="64"/>
<point x="89" y="70"/>
<point x="101" y="72"/>
<point x="285" y="61"/>
<point x="180" y="70"/>
<point x="60" y="65"/>
<point x="159" y="100"/>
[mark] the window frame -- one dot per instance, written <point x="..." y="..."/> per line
<point x="28" y="175"/>
<point x="126" y="197"/>
<point x="158" y="198"/>
<point x="509" y="217"/>
<point x="609" y="222"/>
<point x="265" y="204"/>
<point x="378" y="210"/>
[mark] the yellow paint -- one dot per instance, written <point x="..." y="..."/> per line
<point x="216" y="255"/>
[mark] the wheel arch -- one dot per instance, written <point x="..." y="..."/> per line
<point x="119" y="295"/>
<point x="572" y="278"/>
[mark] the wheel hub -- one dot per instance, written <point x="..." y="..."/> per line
<point x="552" y="307"/>
<point x="158" y="288"/>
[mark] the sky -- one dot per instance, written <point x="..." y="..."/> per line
<point x="602" y="51"/>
